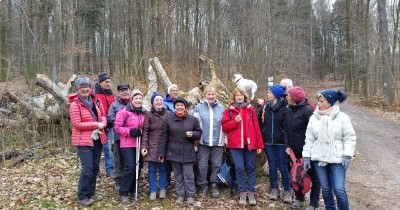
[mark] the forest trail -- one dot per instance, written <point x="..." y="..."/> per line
<point x="373" y="179"/>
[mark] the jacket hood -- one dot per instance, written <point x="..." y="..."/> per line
<point x="74" y="97"/>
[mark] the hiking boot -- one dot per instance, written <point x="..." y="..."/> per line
<point x="179" y="201"/>
<point x="203" y="190"/>
<point x="297" y="204"/>
<point x="163" y="193"/>
<point x="85" y="202"/>
<point x="96" y="198"/>
<point x="214" y="190"/>
<point x="252" y="199"/>
<point x="287" y="196"/>
<point x="273" y="195"/>
<point x="153" y="196"/>
<point x="242" y="198"/>
<point x="190" y="201"/>
<point x="124" y="200"/>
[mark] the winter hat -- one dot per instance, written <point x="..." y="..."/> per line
<point x="181" y="100"/>
<point x="332" y="96"/>
<point x="277" y="90"/>
<point x="136" y="92"/>
<point x="103" y="76"/>
<point x="153" y="97"/>
<point x="123" y="86"/>
<point x="297" y="94"/>
<point x="82" y="81"/>
<point x="288" y="83"/>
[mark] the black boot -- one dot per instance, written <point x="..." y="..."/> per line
<point x="214" y="190"/>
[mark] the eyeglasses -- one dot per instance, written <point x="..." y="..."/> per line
<point x="107" y="81"/>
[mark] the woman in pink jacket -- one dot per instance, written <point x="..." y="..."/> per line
<point x="88" y="122"/>
<point x="129" y="124"/>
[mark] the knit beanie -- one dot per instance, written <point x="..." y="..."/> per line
<point x="277" y="90"/>
<point x="297" y="94"/>
<point x="82" y="81"/>
<point x="332" y="96"/>
<point x="153" y="97"/>
<point x="136" y="92"/>
<point x="181" y="100"/>
<point x="103" y="76"/>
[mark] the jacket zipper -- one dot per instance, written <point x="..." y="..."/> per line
<point x="272" y="130"/>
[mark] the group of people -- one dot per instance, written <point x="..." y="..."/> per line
<point x="171" y="138"/>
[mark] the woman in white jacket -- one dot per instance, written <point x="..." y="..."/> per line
<point x="329" y="145"/>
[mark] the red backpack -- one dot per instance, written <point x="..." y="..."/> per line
<point x="299" y="178"/>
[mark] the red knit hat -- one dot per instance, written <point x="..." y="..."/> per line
<point x="297" y="94"/>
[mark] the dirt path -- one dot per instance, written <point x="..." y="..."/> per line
<point x="373" y="180"/>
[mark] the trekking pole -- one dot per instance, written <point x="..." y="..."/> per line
<point x="137" y="168"/>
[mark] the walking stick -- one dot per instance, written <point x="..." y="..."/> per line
<point x="137" y="168"/>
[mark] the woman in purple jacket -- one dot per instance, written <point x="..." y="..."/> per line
<point x="128" y="125"/>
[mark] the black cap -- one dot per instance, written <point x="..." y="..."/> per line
<point x="181" y="100"/>
<point x="123" y="86"/>
<point x="103" y="76"/>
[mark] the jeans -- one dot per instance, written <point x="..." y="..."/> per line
<point x="277" y="158"/>
<point x="245" y="164"/>
<point x="215" y="155"/>
<point x="90" y="161"/>
<point x="163" y="173"/>
<point x="333" y="180"/>
<point x="108" y="154"/>
<point x="127" y="183"/>
<point x="315" y="188"/>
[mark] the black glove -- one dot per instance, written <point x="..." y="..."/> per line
<point x="135" y="132"/>
<point x="110" y="124"/>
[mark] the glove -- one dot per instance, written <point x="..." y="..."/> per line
<point x="135" y="132"/>
<point x="307" y="163"/>
<point x="346" y="161"/>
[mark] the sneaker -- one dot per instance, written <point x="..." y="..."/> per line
<point x="287" y="196"/>
<point x="96" y="198"/>
<point x="124" y="200"/>
<point x="163" y="193"/>
<point x="153" y="196"/>
<point x="242" y="198"/>
<point x="297" y="204"/>
<point x="190" y="201"/>
<point x="252" y="199"/>
<point x="179" y="201"/>
<point x="203" y="190"/>
<point x="311" y="208"/>
<point x="85" y="202"/>
<point x="214" y="190"/>
<point x="273" y="195"/>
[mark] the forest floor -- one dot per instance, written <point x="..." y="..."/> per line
<point x="372" y="180"/>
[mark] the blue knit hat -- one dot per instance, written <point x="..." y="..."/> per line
<point x="277" y="90"/>
<point x="82" y="81"/>
<point x="155" y="94"/>
<point x="332" y="96"/>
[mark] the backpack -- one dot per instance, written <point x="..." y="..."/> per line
<point x="299" y="178"/>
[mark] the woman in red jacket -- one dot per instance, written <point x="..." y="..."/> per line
<point x="244" y="141"/>
<point x="88" y="123"/>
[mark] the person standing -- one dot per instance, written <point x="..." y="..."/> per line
<point x="177" y="145"/>
<point x="122" y="101"/>
<point x="104" y="95"/>
<point x="172" y="95"/>
<point x="272" y="123"/>
<point x="153" y="125"/>
<point x="128" y="125"/>
<point x="209" y="113"/>
<point x="88" y="122"/>
<point x="329" y="147"/>
<point x="297" y="117"/>
<point x="244" y="141"/>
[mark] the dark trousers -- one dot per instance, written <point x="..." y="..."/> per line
<point x="205" y="154"/>
<point x="184" y="179"/>
<point x="277" y="159"/>
<point x="90" y="161"/>
<point x="118" y="160"/>
<point x="315" y="188"/>
<point x="127" y="182"/>
<point x="245" y="166"/>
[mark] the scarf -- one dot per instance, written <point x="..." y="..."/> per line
<point x="89" y="104"/>
<point x="181" y="115"/>
<point x="325" y="134"/>
<point x="240" y="105"/>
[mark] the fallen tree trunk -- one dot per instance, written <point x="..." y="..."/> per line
<point x="160" y="73"/>
<point x="60" y="91"/>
